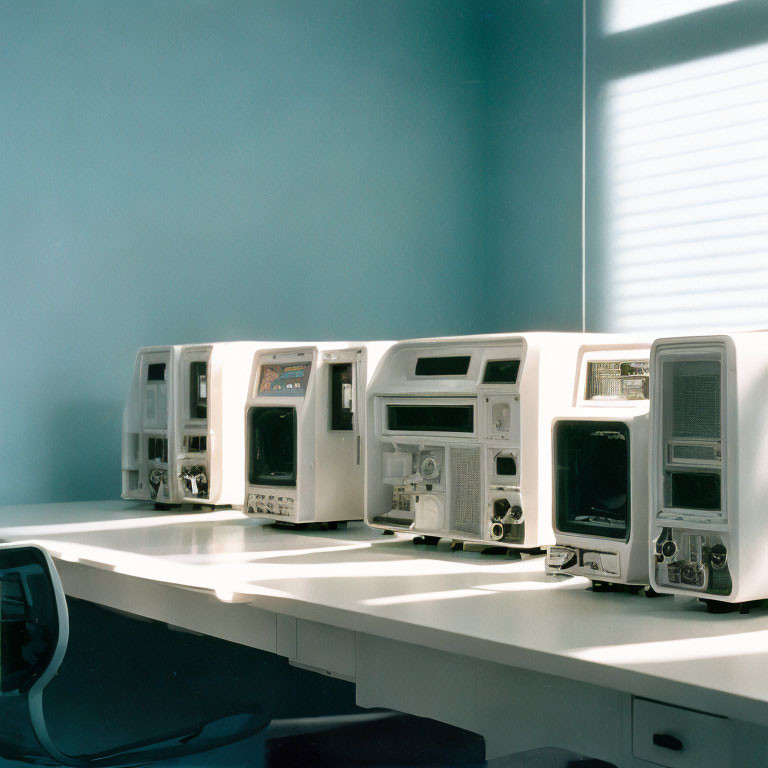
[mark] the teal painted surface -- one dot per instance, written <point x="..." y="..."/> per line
<point x="533" y="160"/>
<point x="181" y="171"/>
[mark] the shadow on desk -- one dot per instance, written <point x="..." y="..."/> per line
<point x="126" y="678"/>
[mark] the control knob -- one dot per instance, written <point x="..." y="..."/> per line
<point x="668" y="548"/>
<point x="718" y="556"/>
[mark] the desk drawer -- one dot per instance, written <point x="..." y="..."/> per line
<point x="679" y="738"/>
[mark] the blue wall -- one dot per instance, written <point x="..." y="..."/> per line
<point x="198" y="170"/>
<point x="534" y="167"/>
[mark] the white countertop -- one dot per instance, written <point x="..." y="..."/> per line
<point x="486" y="606"/>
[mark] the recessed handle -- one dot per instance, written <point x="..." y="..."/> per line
<point x="667" y="742"/>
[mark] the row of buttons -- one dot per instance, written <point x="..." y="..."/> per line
<point x="263" y="504"/>
<point x="401" y="498"/>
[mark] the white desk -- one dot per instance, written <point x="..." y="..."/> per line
<point x="484" y="642"/>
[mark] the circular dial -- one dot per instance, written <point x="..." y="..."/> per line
<point x="429" y="467"/>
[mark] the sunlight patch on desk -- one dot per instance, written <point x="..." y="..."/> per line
<point x="68" y="557"/>
<point x="524" y="585"/>
<point x="576" y="582"/>
<point x="268" y="554"/>
<point x="683" y="649"/>
<point x="119" y="523"/>
<point x="390" y="568"/>
<point x="425" y="597"/>
<point x="228" y="594"/>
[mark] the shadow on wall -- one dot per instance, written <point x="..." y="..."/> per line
<point x="82" y="452"/>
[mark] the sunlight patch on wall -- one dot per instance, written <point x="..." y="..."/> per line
<point x="686" y="195"/>
<point x="622" y="15"/>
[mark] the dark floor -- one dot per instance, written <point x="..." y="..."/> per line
<point x="125" y="679"/>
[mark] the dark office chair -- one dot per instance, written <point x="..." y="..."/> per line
<point x="34" y="630"/>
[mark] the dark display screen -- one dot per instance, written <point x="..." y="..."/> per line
<point x="592" y="486"/>
<point x="272" y="446"/>
<point x="505" y="465"/>
<point x="198" y="389"/>
<point x="342" y="417"/>
<point x="501" y="371"/>
<point x="430" y="418"/>
<point x="156" y="372"/>
<point x="695" y="490"/>
<point x="456" y="365"/>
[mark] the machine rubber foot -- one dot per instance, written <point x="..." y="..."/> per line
<point x="430" y="541"/>
<point x="610" y="586"/>
<point x="457" y="546"/>
<point x="387" y="533"/>
<point x="718" y="606"/>
<point x="494" y="551"/>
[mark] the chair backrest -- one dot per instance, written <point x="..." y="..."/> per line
<point x="34" y="632"/>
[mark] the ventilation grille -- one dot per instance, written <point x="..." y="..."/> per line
<point x="603" y="380"/>
<point x="696" y="400"/>
<point x="466" y="503"/>
<point x="695" y="452"/>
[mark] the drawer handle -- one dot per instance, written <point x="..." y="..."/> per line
<point x="667" y="742"/>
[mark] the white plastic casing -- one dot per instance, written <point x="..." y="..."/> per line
<point x="161" y="410"/>
<point x="462" y="499"/>
<point x="604" y="558"/>
<point x="740" y="525"/>
<point x="329" y="462"/>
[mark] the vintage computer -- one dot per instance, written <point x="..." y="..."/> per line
<point x="709" y="450"/>
<point x="305" y="427"/>
<point x="459" y="432"/>
<point x="183" y="440"/>
<point x="600" y="470"/>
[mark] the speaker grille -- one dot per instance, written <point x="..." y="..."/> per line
<point x="694" y="452"/>
<point x="696" y="400"/>
<point x="466" y="501"/>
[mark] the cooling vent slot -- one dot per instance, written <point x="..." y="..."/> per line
<point x="696" y="400"/>
<point x="695" y="452"/>
<point x="465" y="486"/>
